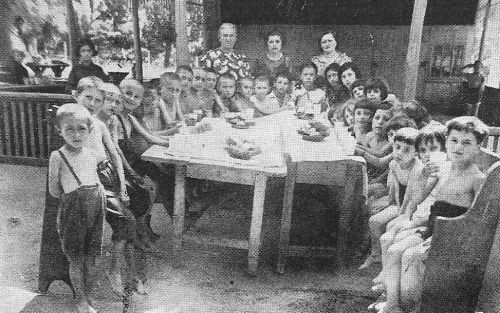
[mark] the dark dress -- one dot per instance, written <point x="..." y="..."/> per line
<point x="265" y="67"/>
<point x="80" y="71"/>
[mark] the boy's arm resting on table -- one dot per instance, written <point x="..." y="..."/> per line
<point x="146" y="134"/>
<point x="55" y="188"/>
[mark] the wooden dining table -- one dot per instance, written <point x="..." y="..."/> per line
<point x="203" y="156"/>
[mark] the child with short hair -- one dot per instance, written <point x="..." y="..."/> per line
<point x="73" y="179"/>
<point x="455" y="191"/>
<point x="111" y="175"/>
<point x="210" y="79"/>
<point x="402" y="172"/>
<point x="244" y="92"/>
<point x="263" y="104"/>
<point x="225" y="97"/>
<point x="358" y="89"/>
<point x="363" y="114"/>
<point x="280" y="92"/>
<point x="170" y="92"/>
<point x="345" y="114"/>
<point x="306" y="93"/>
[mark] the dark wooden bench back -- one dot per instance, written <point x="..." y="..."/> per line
<point x="460" y="250"/>
<point x="492" y="141"/>
<point x="26" y="132"/>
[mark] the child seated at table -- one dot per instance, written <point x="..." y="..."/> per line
<point x="263" y="104"/>
<point x="376" y="89"/>
<point x="358" y="89"/>
<point x="336" y="95"/>
<point x="306" y="94"/>
<point x="170" y="92"/>
<point x="376" y="143"/>
<point x="363" y="114"/>
<point x="149" y="115"/>
<point x="414" y="110"/>
<point x="110" y="171"/>
<point x="244" y="92"/>
<point x="280" y="92"/>
<point x="345" y="114"/>
<point x="377" y="158"/>
<point x="454" y="190"/>
<point x="402" y="172"/>
<point x="225" y="100"/>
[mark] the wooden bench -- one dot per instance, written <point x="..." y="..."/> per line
<point x="26" y="135"/>
<point x="460" y="249"/>
<point x="491" y="142"/>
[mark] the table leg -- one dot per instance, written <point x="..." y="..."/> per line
<point x="345" y="215"/>
<point x="256" y="224"/>
<point x="178" y="218"/>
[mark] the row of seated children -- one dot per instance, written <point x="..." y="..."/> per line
<point x="422" y="187"/>
<point x="97" y="131"/>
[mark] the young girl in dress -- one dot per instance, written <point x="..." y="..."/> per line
<point x="306" y="93"/>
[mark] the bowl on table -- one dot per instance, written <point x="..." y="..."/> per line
<point x="314" y="138"/>
<point x="241" y="149"/>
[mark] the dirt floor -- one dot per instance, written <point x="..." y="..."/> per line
<point x="212" y="279"/>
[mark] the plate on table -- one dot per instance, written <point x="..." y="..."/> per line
<point x="314" y="138"/>
<point x="246" y="126"/>
<point x="304" y="116"/>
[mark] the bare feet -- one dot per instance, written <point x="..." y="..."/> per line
<point x="116" y="283"/>
<point x="140" y="287"/>
<point x="379" y="279"/>
<point x="370" y="260"/>
<point x="391" y="309"/>
<point x="378" y="288"/>
<point x="84" y="307"/>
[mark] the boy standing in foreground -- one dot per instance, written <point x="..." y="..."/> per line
<point x="73" y="179"/>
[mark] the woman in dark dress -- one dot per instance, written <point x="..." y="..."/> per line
<point x="275" y="61"/>
<point x="86" y="67"/>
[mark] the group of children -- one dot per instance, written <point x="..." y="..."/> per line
<point x="98" y="174"/>
<point x="418" y="170"/>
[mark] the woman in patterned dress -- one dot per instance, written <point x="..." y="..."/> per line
<point x="224" y="59"/>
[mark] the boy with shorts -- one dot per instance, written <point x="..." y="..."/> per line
<point x="73" y="179"/>
<point x="455" y="191"/>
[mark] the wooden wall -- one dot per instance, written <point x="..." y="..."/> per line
<point x="389" y="47"/>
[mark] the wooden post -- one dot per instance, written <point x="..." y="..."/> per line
<point x="137" y="40"/>
<point x="73" y="31"/>
<point x="485" y="28"/>
<point x="181" y="42"/>
<point x="413" y="54"/>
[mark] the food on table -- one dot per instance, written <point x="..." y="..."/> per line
<point x="241" y="149"/>
<point x="240" y="122"/>
<point x="314" y="128"/>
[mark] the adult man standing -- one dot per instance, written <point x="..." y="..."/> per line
<point x="224" y="59"/>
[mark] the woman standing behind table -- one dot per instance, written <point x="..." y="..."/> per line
<point x="275" y="61"/>
<point x="86" y="49"/>
<point x="330" y="54"/>
<point x="223" y="59"/>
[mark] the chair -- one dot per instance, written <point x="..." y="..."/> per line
<point x="491" y="142"/>
<point x="347" y="173"/>
<point x="460" y="250"/>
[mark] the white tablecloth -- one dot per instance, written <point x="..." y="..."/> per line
<point x="275" y="134"/>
